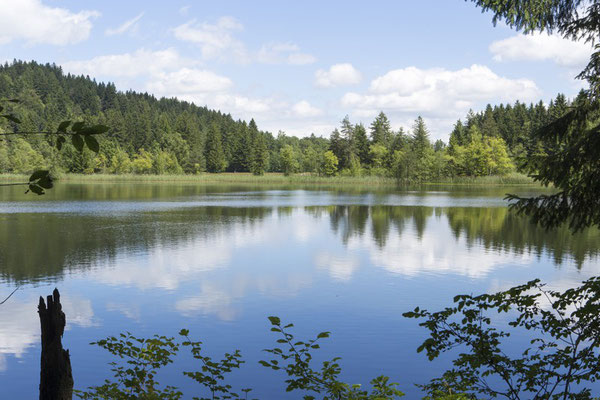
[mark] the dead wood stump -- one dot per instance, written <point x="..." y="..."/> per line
<point x="56" y="378"/>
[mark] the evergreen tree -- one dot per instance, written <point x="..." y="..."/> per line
<point x="381" y="131"/>
<point x="361" y="143"/>
<point x="422" y="150"/>
<point x="215" y="158"/>
<point x="258" y="155"/>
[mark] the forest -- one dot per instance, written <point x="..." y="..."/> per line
<point x="168" y="136"/>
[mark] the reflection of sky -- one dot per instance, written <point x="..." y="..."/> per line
<point x="223" y="285"/>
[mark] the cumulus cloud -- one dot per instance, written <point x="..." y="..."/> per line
<point x="542" y="47"/>
<point x="305" y="109"/>
<point x="338" y="75"/>
<point x="186" y="81"/>
<point x="215" y="40"/>
<point x="440" y="94"/>
<point x="167" y="73"/>
<point x="142" y="62"/>
<point x="129" y="25"/>
<point x="284" y="53"/>
<point x="36" y="23"/>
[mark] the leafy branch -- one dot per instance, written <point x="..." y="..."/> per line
<point x="81" y="135"/>
<point x="295" y="361"/>
<point x="563" y="352"/>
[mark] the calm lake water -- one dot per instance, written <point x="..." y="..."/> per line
<point x="218" y="260"/>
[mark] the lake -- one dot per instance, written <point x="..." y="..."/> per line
<point x="217" y="260"/>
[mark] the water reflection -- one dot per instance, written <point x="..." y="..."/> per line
<point x="155" y="249"/>
<point x="219" y="262"/>
<point x="496" y="229"/>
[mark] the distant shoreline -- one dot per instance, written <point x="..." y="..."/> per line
<point x="279" y="178"/>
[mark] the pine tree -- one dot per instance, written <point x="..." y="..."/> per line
<point x="488" y="125"/>
<point x="258" y="155"/>
<point x="361" y="143"/>
<point x="215" y="158"/>
<point x="421" y="150"/>
<point x="381" y="130"/>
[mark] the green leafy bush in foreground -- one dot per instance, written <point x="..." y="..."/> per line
<point x="554" y="354"/>
<point x="135" y="377"/>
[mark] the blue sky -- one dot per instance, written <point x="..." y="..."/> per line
<point x="299" y="67"/>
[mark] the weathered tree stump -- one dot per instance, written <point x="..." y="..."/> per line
<point x="56" y="378"/>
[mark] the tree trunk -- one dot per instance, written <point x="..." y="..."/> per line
<point x="56" y="379"/>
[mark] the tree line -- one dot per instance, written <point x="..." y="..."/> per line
<point x="168" y="136"/>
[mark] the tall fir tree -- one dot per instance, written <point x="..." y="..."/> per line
<point x="361" y="143"/>
<point x="215" y="158"/>
<point x="381" y="131"/>
<point x="259" y="155"/>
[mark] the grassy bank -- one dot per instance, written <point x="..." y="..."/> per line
<point x="276" y="178"/>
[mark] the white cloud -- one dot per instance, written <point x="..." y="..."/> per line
<point x="338" y="75"/>
<point x="142" y="62"/>
<point x="215" y="40"/>
<point x="305" y="109"/>
<point x="284" y="53"/>
<point x="36" y="23"/>
<point x="186" y="81"/>
<point x="542" y="47"/>
<point x="441" y="95"/>
<point x="167" y="73"/>
<point x="129" y="25"/>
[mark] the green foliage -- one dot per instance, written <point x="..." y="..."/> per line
<point x="560" y="359"/>
<point x="215" y="157"/>
<point x="295" y="359"/>
<point x="23" y="158"/>
<point x="378" y="154"/>
<point x="481" y="156"/>
<point x="570" y="161"/>
<point x="142" y="163"/>
<point x="329" y="165"/>
<point x="564" y="152"/>
<point x="289" y="165"/>
<point x="212" y="374"/>
<point x="136" y="379"/>
<point x="136" y="376"/>
<point x="181" y="137"/>
<point x="258" y="154"/>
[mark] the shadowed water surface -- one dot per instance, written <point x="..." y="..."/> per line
<point x="219" y="259"/>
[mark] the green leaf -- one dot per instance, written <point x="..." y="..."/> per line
<point x="94" y="130"/>
<point x="14" y="100"/>
<point x="46" y="182"/>
<point x="77" y="126"/>
<point x="323" y="335"/>
<point x="39" y="174"/>
<point x="184" y="332"/>
<point x="36" y="189"/>
<point x="63" y="126"/>
<point x="275" y="320"/>
<point x="92" y="143"/>
<point x="77" y="142"/>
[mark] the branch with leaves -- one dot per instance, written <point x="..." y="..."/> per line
<point x="562" y="356"/>
<point x="81" y="136"/>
